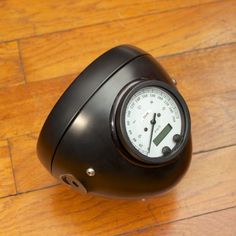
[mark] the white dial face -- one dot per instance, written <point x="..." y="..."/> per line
<point x="152" y="118"/>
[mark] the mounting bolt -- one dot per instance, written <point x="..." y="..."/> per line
<point x="166" y="150"/>
<point x="90" y="172"/>
<point x="174" y="81"/>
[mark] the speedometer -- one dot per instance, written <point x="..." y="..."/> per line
<point x="151" y="122"/>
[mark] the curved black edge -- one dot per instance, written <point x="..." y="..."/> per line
<point x="77" y="94"/>
<point x="122" y="133"/>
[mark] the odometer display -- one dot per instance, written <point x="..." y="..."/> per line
<point x="162" y="134"/>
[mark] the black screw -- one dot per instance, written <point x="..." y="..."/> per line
<point x="145" y="129"/>
<point x="166" y="150"/>
<point x="177" y="138"/>
<point x="158" y="114"/>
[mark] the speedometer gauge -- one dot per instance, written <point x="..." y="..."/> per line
<point x="151" y="122"/>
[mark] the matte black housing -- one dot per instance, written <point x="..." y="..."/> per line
<point x="78" y="133"/>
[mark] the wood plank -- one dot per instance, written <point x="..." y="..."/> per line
<point x="24" y="108"/>
<point x="186" y="29"/>
<point x="11" y="73"/>
<point x="61" y="211"/>
<point x="217" y="224"/>
<point x="7" y="184"/>
<point x="203" y="73"/>
<point x="213" y="121"/>
<point x="27" y="18"/>
<point x="25" y="161"/>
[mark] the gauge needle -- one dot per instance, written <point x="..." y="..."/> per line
<point x="153" y="122"/>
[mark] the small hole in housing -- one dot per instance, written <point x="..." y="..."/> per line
<point x="65" y="180"/>
<point x="70" y="180"/>
<point x="75" y="184"/>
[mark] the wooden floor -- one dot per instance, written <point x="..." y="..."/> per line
<point x="45" y="44"/>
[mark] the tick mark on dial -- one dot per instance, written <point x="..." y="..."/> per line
<point x="158" y="114"/>
<point x="145" y="129"/>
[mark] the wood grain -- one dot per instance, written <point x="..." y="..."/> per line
<point x="69" y="52"/>
<point x="26" y="18"/>
<point x="61" y="211"/>
<point x="216" y="223"/>
<point x="24" y="108"/>
<point x="203" y="73"/>
<point x="213" y="121"/>
<point x="25" y="161"/>
<point x="7" y="184"/>
<point x="11" y="73"/>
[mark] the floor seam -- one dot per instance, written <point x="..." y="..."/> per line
<point x="108" y="22"/>
<point x="22" y="67"/>
<point x="174" y="221"/>
<point x="12" y="166"/>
